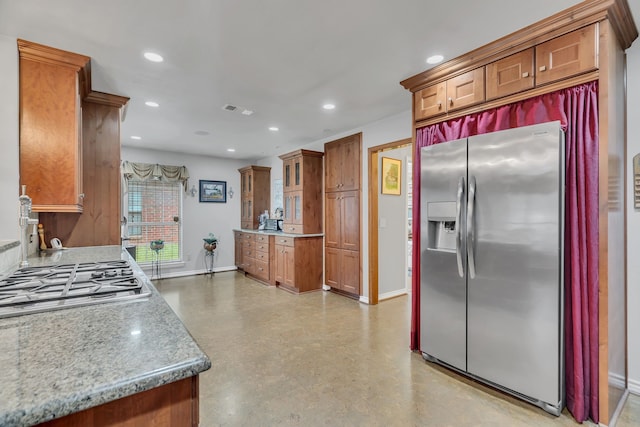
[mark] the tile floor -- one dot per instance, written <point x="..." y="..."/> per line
<point x="319" y="359"/>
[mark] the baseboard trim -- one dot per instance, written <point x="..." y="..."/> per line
<point x="364" y="300"/>
<point x="392" y="294"/>
<point x="634" y="386"/>
<point x="326" y="287"/>
<point x="175" y="274"/>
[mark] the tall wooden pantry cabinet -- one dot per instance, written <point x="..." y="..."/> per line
<point x="255" y="186"/>
<point x="342" y="214"/>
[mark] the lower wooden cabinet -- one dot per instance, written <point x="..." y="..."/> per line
<point x="173" y="404"/>
<point x="298" y="263"/>
<point x="254" y="255"/>
<point x="342" y="270"/>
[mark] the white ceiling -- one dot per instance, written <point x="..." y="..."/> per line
<point x="283" y="59"/>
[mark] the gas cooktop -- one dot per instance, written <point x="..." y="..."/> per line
<point x="38" y="289"/>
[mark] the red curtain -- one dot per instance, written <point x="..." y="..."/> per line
<point x="577" y="110"/>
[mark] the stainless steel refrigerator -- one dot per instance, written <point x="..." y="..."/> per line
<point x="491" y="275"/>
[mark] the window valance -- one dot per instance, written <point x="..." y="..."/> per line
<point x="150" y="171"/>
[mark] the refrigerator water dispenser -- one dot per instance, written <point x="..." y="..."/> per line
<point x="441" y="217"/>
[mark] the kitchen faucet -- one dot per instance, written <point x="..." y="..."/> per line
<point x="25" y="221"/>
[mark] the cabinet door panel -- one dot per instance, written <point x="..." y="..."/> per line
<point x="510" y="75"/>
<point x="430" y="101"/>
<point x="289" y="266"/>
<point x="332" y="267"/>
<point x="279" y="249"/>
<point x="350" y="168"/>
<point x="465" y="90"/>
<point x="567" y="55"/>
<point x="350" y="220"/>
<point x="332" y="167"/>
<point x="350" y="270"/>
<point x="332" y="230"/>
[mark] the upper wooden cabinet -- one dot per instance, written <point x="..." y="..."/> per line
<point x="567" y="55"/>
<point x="255" y="194"/>
<point x="342" y="169"/>
<point x="510" y="75"/>
<point x="302" y="191"/>
<point x="51" y="126"/>
<point x="453" y="94"/>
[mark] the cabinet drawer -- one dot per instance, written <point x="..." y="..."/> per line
<point x="510" y="75"/>
<point x="261" y="256"/>
<point x="285" y="241"/>
<point x="567" y="55"/>
<point x="261" y="238"/>
<point x="248" y="253"/>
<point x="261" y="270"/>
<point x="248" y="245"/>
<point x="261" y="247"/>
<point x="292" y="228"/>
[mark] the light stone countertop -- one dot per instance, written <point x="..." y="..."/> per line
<point x="64" y="361"/>
<point x="5" y="245"/>
<point x="277" y="233"/>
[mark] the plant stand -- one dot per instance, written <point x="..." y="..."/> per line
<point x="155" y="264"/>
<point x="208" y="261"/>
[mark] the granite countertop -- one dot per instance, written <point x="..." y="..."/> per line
<point x="64" y="361"/>
<point x="5" y="245"/>
<point x="278" y="233"/>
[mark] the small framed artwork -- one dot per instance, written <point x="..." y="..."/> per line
<point x="213" y="191"/>
<point x="391" y="176"/>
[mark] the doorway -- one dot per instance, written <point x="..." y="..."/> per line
<point x="386" y="227"/>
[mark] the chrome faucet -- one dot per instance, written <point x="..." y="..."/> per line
<point x="25" y="221"/>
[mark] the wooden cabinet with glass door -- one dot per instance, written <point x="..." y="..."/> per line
<point x="302" y="191"/>
<point x="255" y="191"/>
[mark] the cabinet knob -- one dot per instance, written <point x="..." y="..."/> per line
<point x="525" y="75"/>
<point x="450" y="101"/>
<point x="81" y="195"/>
<point x="439" y="105"/>
<point x="543" y="68"/>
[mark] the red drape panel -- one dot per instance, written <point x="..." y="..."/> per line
<point x="577" y="109"/>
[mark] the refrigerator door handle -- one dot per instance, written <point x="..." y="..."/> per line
<point x="471" y="232"/>
<point x="459" y="201"/>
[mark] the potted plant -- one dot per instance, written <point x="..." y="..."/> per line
<point x="210" y="243"/>
<point x="157" y="244"/>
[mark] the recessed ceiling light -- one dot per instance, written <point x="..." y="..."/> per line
<point x="136" y="137"/>
<point x="328" y="106"/>
<point x="435" y="59"/>
<point x="153" y="57"/>
<point x="247" y="112"/>
<point x="231" y="150"/>
<point x="151" y="104"/>
<point x="274" y="128"/>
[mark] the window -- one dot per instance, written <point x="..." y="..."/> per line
<point x="153" y="213"/>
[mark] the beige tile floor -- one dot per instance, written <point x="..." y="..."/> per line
<point x="320" y="359"/>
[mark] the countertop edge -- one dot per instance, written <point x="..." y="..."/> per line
<point x="5" y="245"/>
<point x="278" y="233"/>
<point x="86" y="400"/>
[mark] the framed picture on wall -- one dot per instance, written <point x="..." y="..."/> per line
<point x="213" y="191"/>
<point x="391" y="176"/>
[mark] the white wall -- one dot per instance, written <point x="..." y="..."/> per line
<point x="9" y="137"/>
<point x="200" y="219"/>
<point x="633" y="219"/>
<point x="392" y="232"/>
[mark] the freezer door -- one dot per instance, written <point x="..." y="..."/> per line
<point x="515" y="256"/>
<point x="442" y="259"/>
